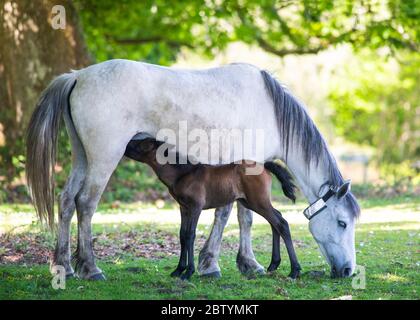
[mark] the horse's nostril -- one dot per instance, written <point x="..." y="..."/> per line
<point x="347" y="272"/>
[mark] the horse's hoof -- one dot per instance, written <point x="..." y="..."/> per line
<point x="260" y="272"/>
<point x="272" y="267"/>
<point x="98" y="277"/>
<point x="215" y="275"/>
<point x="294" y="274"/>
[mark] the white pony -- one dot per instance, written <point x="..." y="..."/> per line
<point x="105" y="105"/>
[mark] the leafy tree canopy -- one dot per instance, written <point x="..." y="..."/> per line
<point x="376" y="103"/>
<point x="155" y="30"/>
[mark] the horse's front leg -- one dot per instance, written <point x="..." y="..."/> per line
<point x="245" y="259"/>
<point x="208" y="265"/>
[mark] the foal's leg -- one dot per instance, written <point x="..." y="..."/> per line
<point x="245" y="260"/>
<point x="285" y="234"/>
<point x="190" y="231"/>
<point x="182" y="264"/>
<point x="208" y="259"/>
<point x="282" y="226"/>
<point x="189" y="219"/>
<point x="276" y="220"/>
<point x="275" y="255"/>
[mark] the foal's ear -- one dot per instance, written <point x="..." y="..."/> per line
<point x="344" y="189"/>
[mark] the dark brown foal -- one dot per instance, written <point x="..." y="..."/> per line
<point x="197" y="187"/>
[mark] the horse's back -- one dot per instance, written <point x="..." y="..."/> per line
<point x="114" y="100"/>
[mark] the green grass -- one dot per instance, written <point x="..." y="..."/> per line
<point x="390" y="252"/>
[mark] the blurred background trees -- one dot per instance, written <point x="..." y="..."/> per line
<point x="31" y="54"/>
<point x="370" y="98"/>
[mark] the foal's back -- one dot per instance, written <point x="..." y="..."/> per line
<point x="216" y="186"/>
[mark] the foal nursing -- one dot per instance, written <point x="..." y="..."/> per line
<point x="197" y="187"/>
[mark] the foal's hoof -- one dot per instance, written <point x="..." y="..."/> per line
<point x="186" y="277"/>
<point x="215" y="275"/>
<point x="273" y="266"/>
<point x="176" y="274"/>
<point x="294" y="274"/>
<point x="97" y="277"/>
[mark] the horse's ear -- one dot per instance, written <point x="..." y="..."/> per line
<point x="344" y="189"/>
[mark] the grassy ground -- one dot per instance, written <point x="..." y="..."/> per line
<point x="137" y="247"/>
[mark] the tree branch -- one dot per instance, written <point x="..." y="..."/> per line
<point x="283" y="52"/>
<point x="142" y="41"/>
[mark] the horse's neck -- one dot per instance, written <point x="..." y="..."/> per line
<point x="309" y="178"/>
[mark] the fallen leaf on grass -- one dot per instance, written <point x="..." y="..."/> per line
<point x="349" y="297"/>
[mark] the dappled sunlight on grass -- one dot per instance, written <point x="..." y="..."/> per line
<point x="390" y="226"/>
<point x="390" y="265"/>
<point x="391" y="278"/>
<point x="21" y="218"/>
<point x="137" y="246"/>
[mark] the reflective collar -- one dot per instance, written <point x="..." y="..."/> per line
<point x="319" y="205"/>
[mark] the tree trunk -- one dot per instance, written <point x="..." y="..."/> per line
<point x="32" y="53"/>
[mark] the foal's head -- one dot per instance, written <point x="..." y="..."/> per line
<point x="143" y="150"/>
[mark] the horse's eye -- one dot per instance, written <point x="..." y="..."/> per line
<point x="342" y="224"/>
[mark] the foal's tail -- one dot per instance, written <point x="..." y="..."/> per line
<point x="284" y="177"/>
<point x="41" y="144"/>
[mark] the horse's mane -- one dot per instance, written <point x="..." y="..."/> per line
<point x="297" y="128"/>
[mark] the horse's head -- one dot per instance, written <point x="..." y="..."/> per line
<point x="333" y="228"/>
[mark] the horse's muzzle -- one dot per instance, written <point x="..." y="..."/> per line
<point x="343" y="272"/>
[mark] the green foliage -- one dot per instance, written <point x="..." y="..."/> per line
<point x="149" y="30"/>
<point x="155" y="30"/>
<point x="376" y="103"/>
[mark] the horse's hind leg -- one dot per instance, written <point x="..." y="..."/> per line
<point x="67" y="207"/>
<point x="97" y="176"/>
<point x="208" y="259"/>
<point x="74" y="183"/>
<point x="245" y="260"/>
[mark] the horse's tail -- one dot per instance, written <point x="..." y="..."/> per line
<point x="41" y="144"/>
<point x="284" y="177"/>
